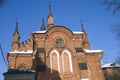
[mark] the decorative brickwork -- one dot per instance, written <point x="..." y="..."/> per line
<point x="55" y="54"/>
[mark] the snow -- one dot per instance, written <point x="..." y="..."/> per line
<point x="92" y="51"/>
<point x="84" y="79"/>
<point x="22" y="52"/>
<point x="75" y="32"/>
<point x="31" y="70"/>
<point x="39" y="31"/>
<point x="110" y="65"/>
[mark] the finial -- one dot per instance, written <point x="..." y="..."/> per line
<point x="42" y="28"/>
<point x="83" y="30"/>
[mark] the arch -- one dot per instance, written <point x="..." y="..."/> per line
<point x="54" y="52"/>
<point x="22" y="67"/>
<point x="59" y="29"/>
<point x="70" y="60"/>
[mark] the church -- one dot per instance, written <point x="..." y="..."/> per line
<point x="53" y="53"/>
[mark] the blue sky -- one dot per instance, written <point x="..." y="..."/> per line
<point x="97" y="21"/>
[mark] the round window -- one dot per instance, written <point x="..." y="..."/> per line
<point x="59" y="42"/>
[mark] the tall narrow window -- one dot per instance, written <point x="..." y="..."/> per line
<point x="67" y="61"/>
<point x="54" y="61"/>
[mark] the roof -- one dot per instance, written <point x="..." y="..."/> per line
<point x="110" y="65"/>
<point x="92" y="51"/>
<point x="40" y="31"/>
<point x="16" y="28"/>
<point x="75" y="32"/>
<point x="44" y="31"/>
<point x="22" y="52"/>
<point x="19" y="72"/>
<point x="49" y="11"/>
<point x="42" y="28"/>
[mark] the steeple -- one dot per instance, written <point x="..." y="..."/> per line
<point x="50" y="17"/>
<point x="16" y="37"/>
<point x="83" y="30"/>
<point x="49" y="11"/>
<point x="42" y="28"/>
<point x="16" y="28"/>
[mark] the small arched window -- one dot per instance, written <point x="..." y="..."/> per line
<point x="22" y="68"/>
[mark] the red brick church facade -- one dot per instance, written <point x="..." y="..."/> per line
<point x="53" y="53"/>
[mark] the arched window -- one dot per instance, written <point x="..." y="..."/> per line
<point x="54" y="61"/>
<point x="67" y="61"/>
<point x="22" y="68"/>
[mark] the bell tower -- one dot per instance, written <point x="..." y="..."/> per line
<point x="16" y="37"/>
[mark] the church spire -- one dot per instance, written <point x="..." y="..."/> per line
<point x="16" y="38"/>
<point x="49" y="11"/>
<point x="16" y="28"/>
<point x="42" y="28"/>
<point x="50" y="17"/>
<point x="83" y="30"/>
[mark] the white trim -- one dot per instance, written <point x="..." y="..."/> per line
<point x="56" y="52"/>
<point x="70" y="60"/>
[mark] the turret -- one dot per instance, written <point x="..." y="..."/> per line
<point x="16" y="37"/>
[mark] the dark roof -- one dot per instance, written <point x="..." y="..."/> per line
<point x="18" y="72"/>
<point x="83" y="30"/>
<point x="16" y="28"/>
<point x="49" y="11"/>
<point x="42" y="28"/>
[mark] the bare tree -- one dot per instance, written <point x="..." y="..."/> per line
<point x="117" y="60"/>
<point x="1" y="2"/>
<point x="113" y="5"/>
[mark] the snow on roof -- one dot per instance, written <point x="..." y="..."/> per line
<point x="111" y="65"/>
<point x="22" y="52"/>
<point x="31" y="70"/>
<point x="92" y="51"/>
<point x="39" y="31"/>
<point x="85" y="79"/>
<point x="75" y="32"/>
